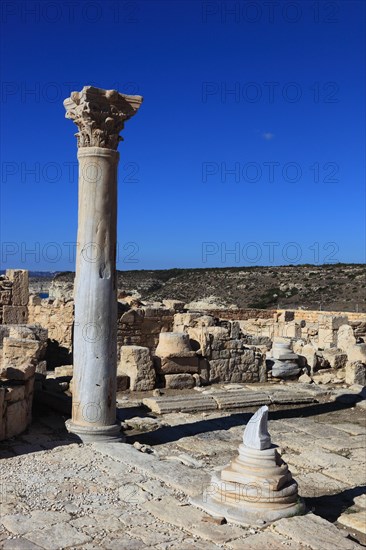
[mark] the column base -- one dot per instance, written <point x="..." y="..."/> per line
<point x="94" y="434"/>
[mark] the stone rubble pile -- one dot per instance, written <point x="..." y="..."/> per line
<point x="22" y="349"/>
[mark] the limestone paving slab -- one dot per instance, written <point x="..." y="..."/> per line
<point x="61" y="535"/>
<point x="19" y="544"/>
<point x="190" y="519"/>
<point x="312" y="427"/>
<point x="19" y="524"/>
<point x="356" y="521"/>
<point x="317" y="484"/>
<point x="284" y="397"/>
<point x="314" y="532"/>
<point x="349" y="428"/>
<point x="265" y="541"/>
<point x="176" y="475"/>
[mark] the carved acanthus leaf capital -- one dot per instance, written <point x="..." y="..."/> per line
<point x="100" y="115"/>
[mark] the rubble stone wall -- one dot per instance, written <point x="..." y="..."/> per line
<point x="14" y="296"/>
<point x="20" y="356"/>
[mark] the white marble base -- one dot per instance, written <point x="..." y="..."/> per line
<point x="89" y="434"/>
<point x="238" y="504"/>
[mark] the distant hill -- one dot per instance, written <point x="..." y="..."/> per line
<point x="332" y="287"/>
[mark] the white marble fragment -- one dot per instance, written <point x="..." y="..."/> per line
<point x="256" y="434"/>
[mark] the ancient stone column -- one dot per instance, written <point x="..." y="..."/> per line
<point x="100" y="116"/>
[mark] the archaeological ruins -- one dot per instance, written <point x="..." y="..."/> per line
<point x="133" y="424"/>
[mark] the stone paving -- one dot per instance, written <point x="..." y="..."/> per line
<point x="56" y="493"/>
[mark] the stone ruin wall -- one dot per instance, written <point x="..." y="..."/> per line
<point x="14" y="297"/>
<point x="232" y="342"/>
<point x="22" y="348"/>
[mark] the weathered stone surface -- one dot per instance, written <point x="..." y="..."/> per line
<point x="356" y="373"/>
<point x="285" y="369"/>
<point x="173" y="344"/>
<point x="356" y="520"/>
<point x="137" y="364"/>
<point x="20" y="288"/>
<point x="357" y="353"/>
<point x="242" y="365"/>
<point x="345" y="337"/>
<point x="334" y="358"/>
<point x="314" y="532"/>
<point x="19" y="524"/>
<point x="61" y="535"/>
<point x="19" y="351"/>
<point x="179" y="381"/>
<point x="169" y="404"/>
<point x="333" y="322"/>
<point x="5" y="297"/>
<point x="265" y="541"/>
<point x="15" y="315"/>
<point x="189" y="519"/>
<point x="308" y="351"/>
<point x="239" y="399"/>
<point x="175" y="474"/>
<point x="176" y="365"/>
<point x="16" y="418"/>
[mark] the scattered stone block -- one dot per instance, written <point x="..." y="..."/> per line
<point x="179" y="381"/>
<point x="176" y="365"/>
<point x="15" y="315"/>
<point x="137" y="364"/>
<point x="345" y="337"/>
<point x="356" y="373"/>
<point x="334" y="358"/>
<point x="308" y="351"/>
<point x="357" y="353"/>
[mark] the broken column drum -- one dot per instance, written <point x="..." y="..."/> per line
<point x="100" y="116"/>
<point x="257" y="486"/>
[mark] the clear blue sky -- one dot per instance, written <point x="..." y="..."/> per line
<point x="273" y="92"/>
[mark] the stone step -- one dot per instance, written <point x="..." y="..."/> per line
<point x="286" y="397"/>
<point x="225" y="400"/>
<point x="177" y="403"/>
<point x="240" y="399"/>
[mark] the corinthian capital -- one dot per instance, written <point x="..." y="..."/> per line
<point x="100" y="115"/>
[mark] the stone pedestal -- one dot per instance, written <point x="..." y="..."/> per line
<point x="284" y="361"/>
<point x="99" y="115"/>
<point x="175" y="360"/>
<point x="257" y="486"/>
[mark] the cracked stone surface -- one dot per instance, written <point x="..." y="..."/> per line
<point x="56" y="493"/>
